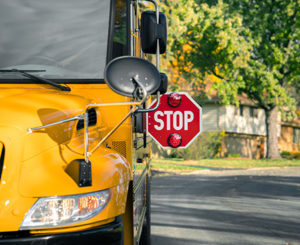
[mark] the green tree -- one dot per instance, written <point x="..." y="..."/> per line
<point x="251" y="46"/>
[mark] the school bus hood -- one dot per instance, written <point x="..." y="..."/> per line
<point x="39" y="161"/>
<point x="25" y="109"/>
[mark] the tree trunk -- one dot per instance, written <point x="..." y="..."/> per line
<point x="272" y="128"/>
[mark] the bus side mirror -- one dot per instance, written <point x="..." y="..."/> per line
<point x="151" y="31"/>
<point x="121" y="73"/>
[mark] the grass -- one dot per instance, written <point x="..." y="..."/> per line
<point x="171" y="166"/>
<point x="180" y="164"/>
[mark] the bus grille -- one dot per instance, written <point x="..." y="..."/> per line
<point x="120" y="146"/>
<point x="92" y="119"/>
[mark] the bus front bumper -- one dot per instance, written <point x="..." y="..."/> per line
<point x="111" y="234"/>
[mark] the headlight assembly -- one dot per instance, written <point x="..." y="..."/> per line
<point x="65" y="210"/>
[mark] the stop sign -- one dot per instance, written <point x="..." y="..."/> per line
<point x="176" y="122"/>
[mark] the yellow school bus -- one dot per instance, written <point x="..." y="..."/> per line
<point x="75" y="86"/>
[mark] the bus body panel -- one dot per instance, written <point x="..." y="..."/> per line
<point x="35" y="163"/>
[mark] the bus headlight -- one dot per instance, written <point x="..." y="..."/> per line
<point x="65" y="210"/>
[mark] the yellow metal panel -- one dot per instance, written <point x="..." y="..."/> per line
<point x="35" y="163"/>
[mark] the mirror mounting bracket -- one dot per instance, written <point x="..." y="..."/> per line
<point x="152" y="109"/>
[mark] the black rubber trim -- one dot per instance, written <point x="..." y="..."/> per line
<point x="112" y="30"/>
<point x="2" y="160"/>
<point x="111" y="234"/>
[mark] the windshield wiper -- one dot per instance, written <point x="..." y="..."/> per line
<point x="40" y="79"/>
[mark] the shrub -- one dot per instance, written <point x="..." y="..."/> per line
<point x="207" y="145"/>
<point x="285" y="154"/>
<point x="290" y="154"/>
<point x="233" y="155"/>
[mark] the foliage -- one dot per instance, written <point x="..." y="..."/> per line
<point x="290" y="154"/>
<point x="252" y="47"/>
<point x="230" y="155"/>
<point x="207" y="145"/>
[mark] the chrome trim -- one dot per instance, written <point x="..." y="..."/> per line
<point x="86" y="136"/>
<point x="88" y="154"/>
<point x="131" y="29"/>
<point x="137" y="29"/>
<point x="154" y="108"/>
<point x="157" y="42"/>
<point x="138" y="184"/>
<point x="145" y="94"/>
<point x="112" y="104"/>
<point x="78" y="117"/>
<point x="140" y="226"/>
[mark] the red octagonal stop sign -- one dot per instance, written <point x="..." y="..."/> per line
<point x="176" y="122"/>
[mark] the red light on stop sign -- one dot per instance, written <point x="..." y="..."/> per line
<point x="174" y="100"/>
<point x="174" y="140"/>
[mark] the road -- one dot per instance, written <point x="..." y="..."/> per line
<point x="227" y="207"/>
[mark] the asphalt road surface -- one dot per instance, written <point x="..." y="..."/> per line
<point x="227" y="207"/>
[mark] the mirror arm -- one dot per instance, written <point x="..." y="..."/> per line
<point x="154" y="108"/>
<point x="157" y="41"/>
<point x="145" y="94"/>
<point x="88" y="153"/>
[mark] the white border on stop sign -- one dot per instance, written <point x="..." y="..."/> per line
<point x="191" y="141"/>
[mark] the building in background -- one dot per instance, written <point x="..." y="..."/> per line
<point x="245" y="128"/>
<point x="289" y="140"/>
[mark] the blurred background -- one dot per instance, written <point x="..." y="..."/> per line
<point x="238" y="182"/>
<point x="239" y="59"/>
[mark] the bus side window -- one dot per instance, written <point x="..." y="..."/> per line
<point x="120" y="36"/>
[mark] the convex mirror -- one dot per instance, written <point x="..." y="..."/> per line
<point x="121" y="72"/>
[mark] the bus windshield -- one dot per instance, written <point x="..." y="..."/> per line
<point x="66" y="39"/>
